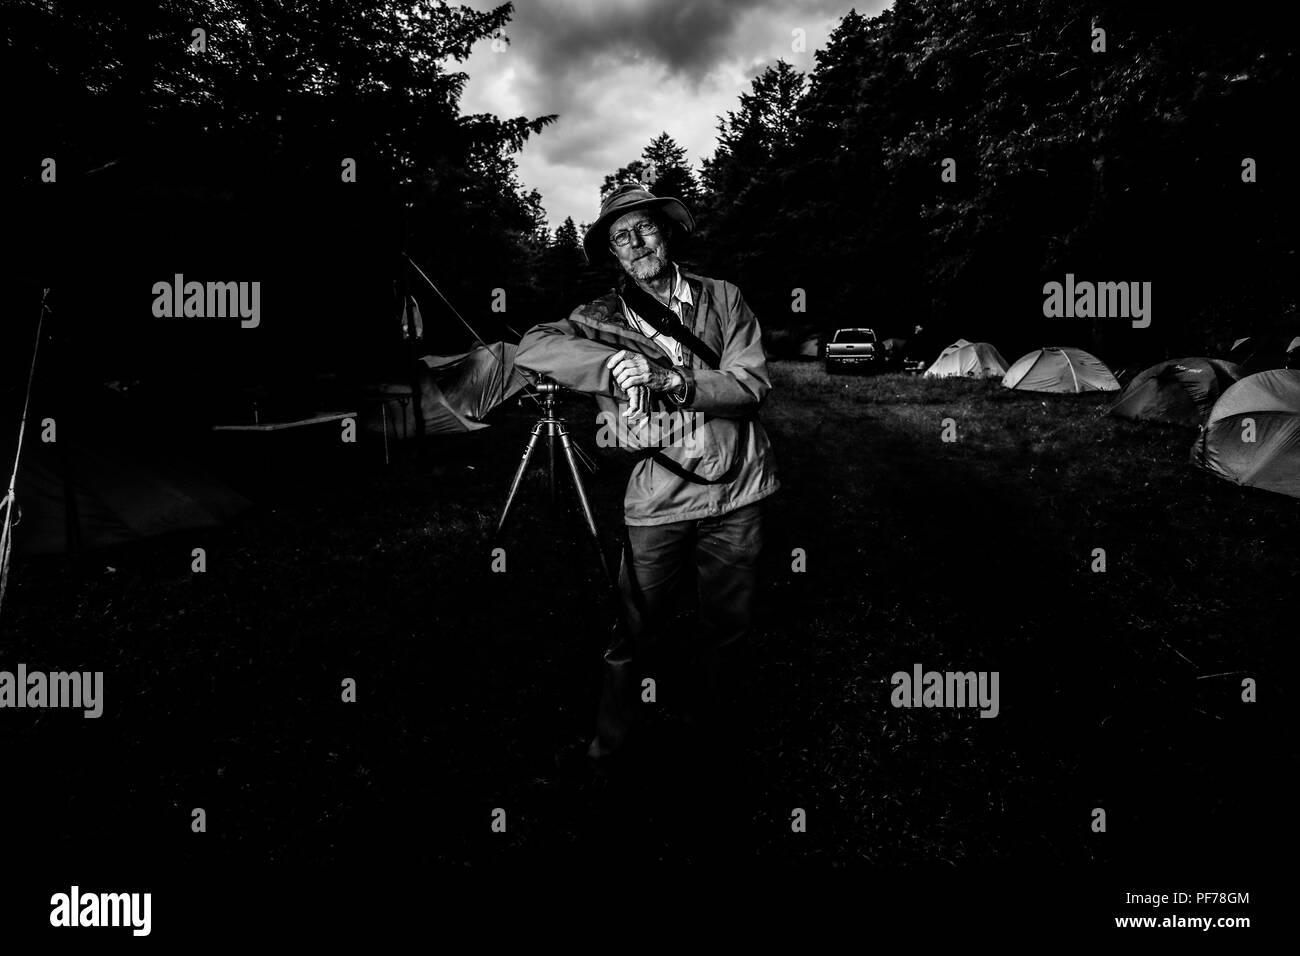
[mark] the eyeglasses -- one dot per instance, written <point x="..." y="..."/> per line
<point x="646" y="227"/>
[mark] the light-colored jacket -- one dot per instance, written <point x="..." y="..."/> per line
<point x="726" y="430"/>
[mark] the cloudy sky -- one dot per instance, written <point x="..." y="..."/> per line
<point x="620" y="72"/>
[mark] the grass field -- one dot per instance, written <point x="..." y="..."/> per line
<point x="1119" y="690"/>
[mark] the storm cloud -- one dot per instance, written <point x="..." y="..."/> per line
<point x="620" y="72"/>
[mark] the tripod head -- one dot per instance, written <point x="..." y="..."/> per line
<point x="549" y="390"/>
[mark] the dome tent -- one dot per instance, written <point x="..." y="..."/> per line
<point x="1178" y="391"/>
<point x="1252" y="436"/>
<point x="1060" y="369"/>
<point x="963" y="358"/>
<point x="810" y="346"/>
<point x="1259" y="353"/>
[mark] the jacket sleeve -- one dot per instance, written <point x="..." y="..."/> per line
<point x="560" y="350"/>
<point x="741" y="382"/>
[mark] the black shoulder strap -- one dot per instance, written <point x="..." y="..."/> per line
<point x="726" y="477"/>
<point x="663" y="320"/>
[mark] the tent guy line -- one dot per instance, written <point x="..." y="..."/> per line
<point x="456" y="312"/>
<point x="10" y="500"/>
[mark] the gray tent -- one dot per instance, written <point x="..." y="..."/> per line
<point x="1179" y="391"/>
<point x="456" y="392"/>
<point x="1060" y="369"/>
<point x="1253" y="433"/>
<point x="810" y="346"/>
<point x="75" y="494"/>
<point x="972" y="359"/>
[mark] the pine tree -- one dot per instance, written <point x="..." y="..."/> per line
<point x="662" y="167"/>
<point x="636" y="171"/>
<point x="566" y="235"/>
<point x="669" y="173"/>
<point x="764" y="131"/>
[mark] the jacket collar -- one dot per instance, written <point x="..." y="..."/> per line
<point x="686" y="289"/>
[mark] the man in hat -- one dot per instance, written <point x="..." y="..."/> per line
<point x="687" y="348"/>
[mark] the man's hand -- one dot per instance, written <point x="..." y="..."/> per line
<point x="631" y="369"/>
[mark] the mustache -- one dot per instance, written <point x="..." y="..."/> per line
<point x="652" y="256"/>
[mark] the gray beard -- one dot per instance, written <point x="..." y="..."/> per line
<point x="651" y="267"/>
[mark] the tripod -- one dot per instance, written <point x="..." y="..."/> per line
<point x="554" y="427"/>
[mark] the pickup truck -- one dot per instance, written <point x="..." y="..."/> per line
<point x="854" y="348"/>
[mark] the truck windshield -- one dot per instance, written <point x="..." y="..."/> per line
<point x="855" y="336"/>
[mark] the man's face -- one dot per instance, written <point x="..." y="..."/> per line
<point x="644" y="258"/>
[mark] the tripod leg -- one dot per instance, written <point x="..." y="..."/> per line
<point x="550" y="463"/>
<point x="585" y="505"/>
<point x="519" y="475"/>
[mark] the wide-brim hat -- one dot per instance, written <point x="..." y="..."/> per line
<point x="623" y="200"/>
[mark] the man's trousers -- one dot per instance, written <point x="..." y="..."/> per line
<point x="721" y="554"/>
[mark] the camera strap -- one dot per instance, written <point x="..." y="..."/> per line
<point x="665" y="321"/>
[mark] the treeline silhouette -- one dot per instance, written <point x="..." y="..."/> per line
<point x="208" y="139"/>
<point x="1117" y="164"/>
<point x="218" y="155"/>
